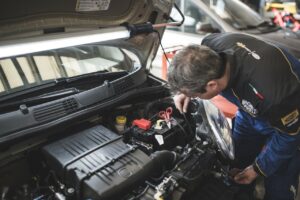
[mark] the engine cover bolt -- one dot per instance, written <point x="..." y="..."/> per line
<point x="70" y="190"/>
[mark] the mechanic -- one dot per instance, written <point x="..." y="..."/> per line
<point x="263" y="81"/>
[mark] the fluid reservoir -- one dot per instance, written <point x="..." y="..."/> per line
<point x="120" y="123"/>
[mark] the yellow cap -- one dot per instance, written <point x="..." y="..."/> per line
<point x="121" y="119"/>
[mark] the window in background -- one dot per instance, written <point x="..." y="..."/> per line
<point x="2" y="89"/>
<point x="47" y="67"/>
<point x="26" y="69"/>
<point x="71" y="66"/>
<point x="11" y="73"/>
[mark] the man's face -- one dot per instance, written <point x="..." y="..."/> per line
<point x="206" y="95"/>
<point x="212" y="89"/>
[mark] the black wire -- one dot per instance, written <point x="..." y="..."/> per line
<point x="171" y="18"/>
<point x="159" y="36"/>
<point x="188" y="123"/>
<point x="168" y="17"/>
<point x="152" y="117"/>
<point x="150" y="184"/>
<point x="160" y="39"/>
<point x="182" y="15"/>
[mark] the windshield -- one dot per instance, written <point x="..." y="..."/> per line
<point x="235" y="13"/>
<point x="27" y="71"/>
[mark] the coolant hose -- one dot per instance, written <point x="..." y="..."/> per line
<point x="164" y="159"/>
<point x="161" y="161"/>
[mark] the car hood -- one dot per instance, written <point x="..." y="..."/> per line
<point x="286" y="39"/>
<point x="39" y="24"/>
<point x="37" y="19"/>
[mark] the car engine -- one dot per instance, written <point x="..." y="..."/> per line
<point x="155" y="153"/>
<point x="96" y="163"/>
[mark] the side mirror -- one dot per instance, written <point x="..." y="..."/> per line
<point x="189" y="21"/>
<point x="205" y="28"/>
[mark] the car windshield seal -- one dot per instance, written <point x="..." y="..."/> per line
<point x="55" y="67"/>
<point x="57" y="82"/>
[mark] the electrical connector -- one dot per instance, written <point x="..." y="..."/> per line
<point x="142" y="123"/>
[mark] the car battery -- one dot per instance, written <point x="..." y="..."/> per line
<point x="160" y="135"/>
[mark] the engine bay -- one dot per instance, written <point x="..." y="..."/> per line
<point x="146" y="150"/>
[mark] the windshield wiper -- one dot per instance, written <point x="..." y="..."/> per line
<point x="55" y="94"/>
<point x="41" y="98"/>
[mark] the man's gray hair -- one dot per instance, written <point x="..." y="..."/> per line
<point x="192" y="68"/>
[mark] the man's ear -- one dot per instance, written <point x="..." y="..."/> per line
<point x="212" y="85"/>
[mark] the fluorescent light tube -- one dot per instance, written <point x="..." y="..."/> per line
<point x="49" y="42"/>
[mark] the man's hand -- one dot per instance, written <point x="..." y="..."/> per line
<point x="246" y="176"/>
<point x="181" y="102"/>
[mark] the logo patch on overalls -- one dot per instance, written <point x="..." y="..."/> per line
<point x="291" y="118"/>
<point x="249" y="107"/>
<point x="253" y="53"/>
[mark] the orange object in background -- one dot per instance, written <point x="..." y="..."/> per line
<point x="169" y="54"/>
<point x="285" y="20"/>
<point x="229" y="109"/>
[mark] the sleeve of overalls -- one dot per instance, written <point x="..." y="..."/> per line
<point x="278" y="150"/>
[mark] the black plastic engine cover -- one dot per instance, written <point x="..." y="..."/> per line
<point x="96" y="163"/>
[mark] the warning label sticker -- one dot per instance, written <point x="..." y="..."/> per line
<point x="92" y="5"/>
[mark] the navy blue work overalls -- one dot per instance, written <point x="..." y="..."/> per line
<point x="254" y="137"/>
<point x="265" y="85"/>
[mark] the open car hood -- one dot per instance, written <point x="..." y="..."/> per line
<point x="31" y="30"/>
<point x="31" y="19"/>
